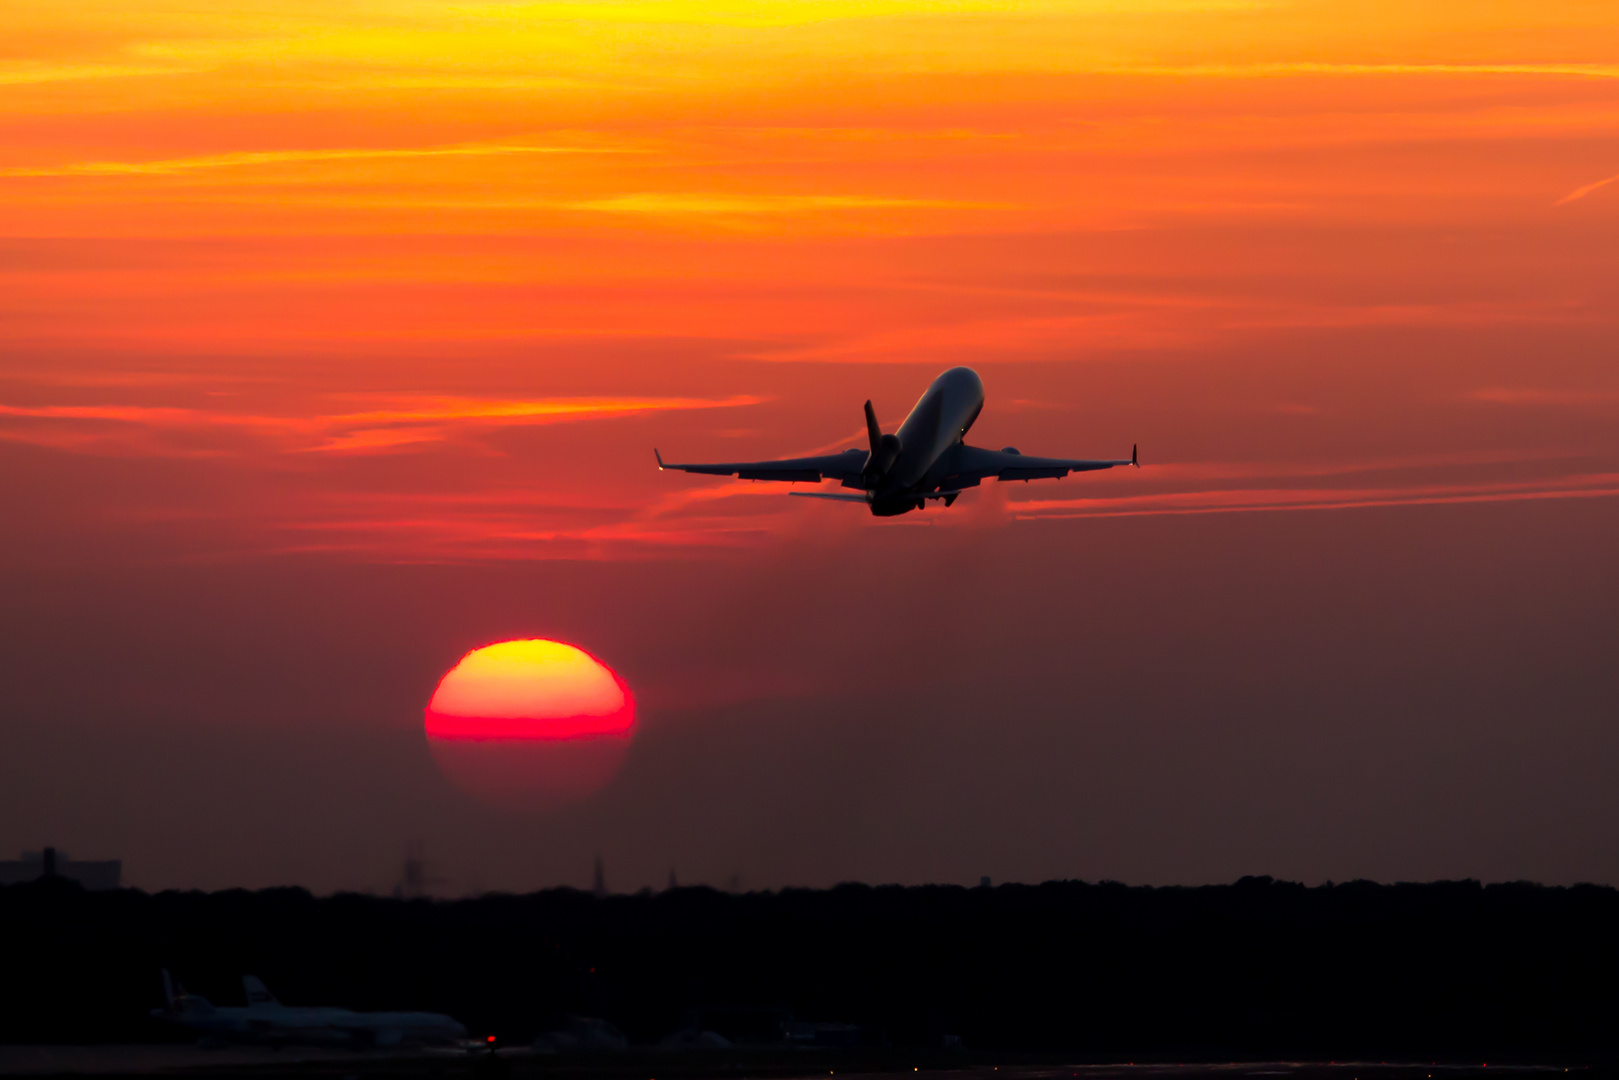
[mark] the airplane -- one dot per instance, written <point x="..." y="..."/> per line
<point x="926" y="459"/>
<point x="265" y="1020"/>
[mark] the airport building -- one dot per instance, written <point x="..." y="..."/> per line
<point x="98" y="874"/>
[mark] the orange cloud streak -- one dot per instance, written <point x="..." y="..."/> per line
<point x="413" y="420"/>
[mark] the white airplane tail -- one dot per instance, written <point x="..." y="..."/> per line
<point x="176" y="1000"/>
<point x="257" y="992"/>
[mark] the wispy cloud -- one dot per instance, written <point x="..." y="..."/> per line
<point x="1582" y="192"/>
<point x="1205" y="472"/>
<point x="502" y="525"/>
<point x="1254" y="500"/>
<point x="108" y="379"/>
<point x="151" y="416"/>
<point x="24" y="73"/>
<point x="398" y="421"/>
<point x="690" y="203"/>
<point x="248" y="159"/>
<point x="1305" y="67"/>
<point x="1062" y="336"/>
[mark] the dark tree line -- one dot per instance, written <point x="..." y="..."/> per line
<point x="1451" y="969"/>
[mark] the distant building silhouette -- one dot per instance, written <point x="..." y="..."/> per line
<point x="414" y="880"/>
<point x="673" y="884"/>
<point x="600" y="887"/>
<point x="33" y="865"/>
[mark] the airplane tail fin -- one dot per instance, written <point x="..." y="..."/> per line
<point x="884" y="449"/>
<point x="177" y="1002"/>
<point x="257" y="992"/>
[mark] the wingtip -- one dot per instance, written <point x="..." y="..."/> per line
<point x="659" y="457"/>
<point x="1133" y="460"/>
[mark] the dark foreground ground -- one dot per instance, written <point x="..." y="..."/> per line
<point x="1066" y="971"/>
<point x="250" y="1064"/>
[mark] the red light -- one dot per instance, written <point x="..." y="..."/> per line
<point x="490" y="1039"/>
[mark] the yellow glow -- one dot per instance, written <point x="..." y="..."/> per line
<point x="298" y="48"/>
<point x="786" y="117"/>
<point x="531" y="679"/>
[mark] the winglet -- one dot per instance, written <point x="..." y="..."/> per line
<point x="1133" y="460"/>
<point x="659" y="457"/>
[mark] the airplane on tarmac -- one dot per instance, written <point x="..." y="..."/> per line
<point x="926" y="459"/>
<point x="265" y="1020"/>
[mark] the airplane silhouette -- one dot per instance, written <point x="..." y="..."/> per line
<point x="926" y="459"/>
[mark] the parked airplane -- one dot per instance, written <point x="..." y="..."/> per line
<point x="265" y="1020"/>
<point x="925" y="459"/>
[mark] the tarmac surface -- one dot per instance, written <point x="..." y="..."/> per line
<point x="263" y="1063"/>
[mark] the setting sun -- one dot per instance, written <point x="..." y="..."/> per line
<point x="531" y="689"/>
<point x="530" y="723"/>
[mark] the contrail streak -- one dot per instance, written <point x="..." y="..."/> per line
<point x="1580" y="193"/>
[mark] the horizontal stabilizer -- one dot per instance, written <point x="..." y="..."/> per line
<point x="804" y="470"/>
<point x="828" y="495"/>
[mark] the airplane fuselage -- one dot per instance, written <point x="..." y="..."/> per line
<point x="937" y="423"/>
<point x="277" y="1025"/>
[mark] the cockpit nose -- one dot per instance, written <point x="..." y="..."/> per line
<point x="964" y="378"/>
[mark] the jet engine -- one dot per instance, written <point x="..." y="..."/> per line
<point x="884" y="451"/>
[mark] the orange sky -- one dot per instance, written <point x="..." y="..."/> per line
<point x="358" y="270"/>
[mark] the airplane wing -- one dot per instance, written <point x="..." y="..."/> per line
<point x="973" y="464"/>
<point x="809" y="470"/>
